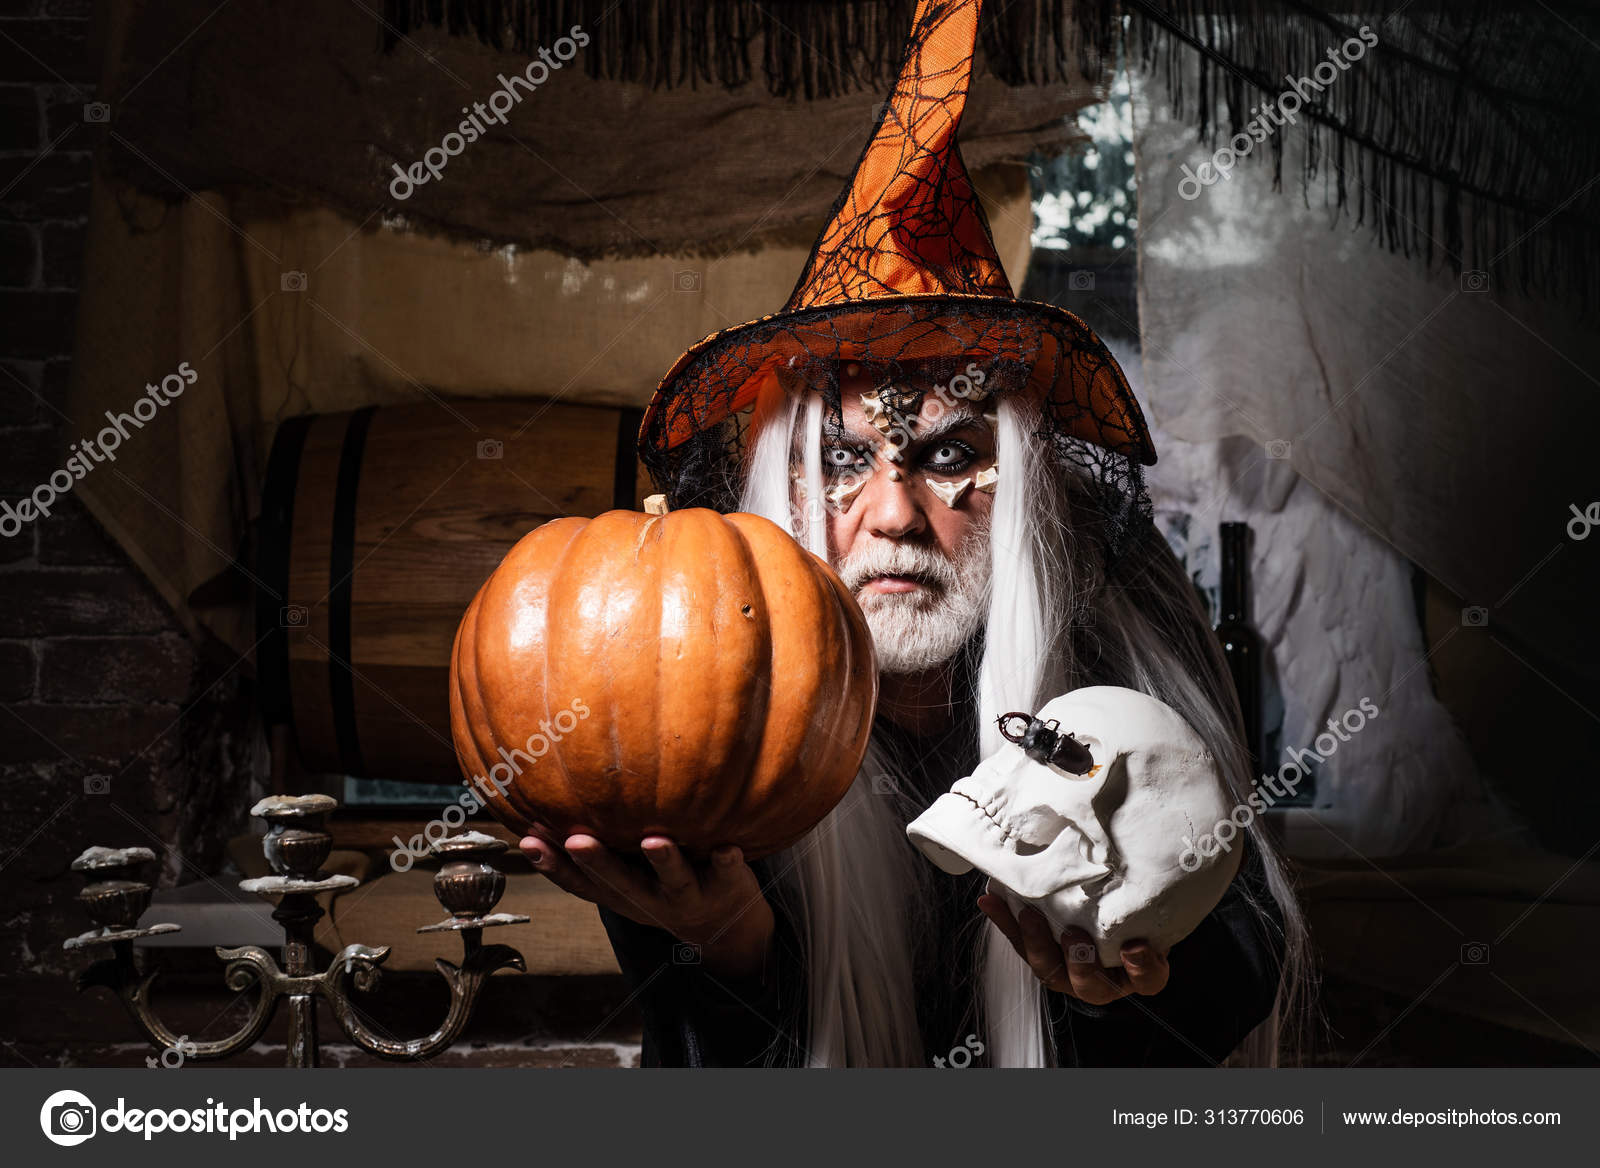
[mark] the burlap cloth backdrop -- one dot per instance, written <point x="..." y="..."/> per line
<point x="281" y="129"/>
<point x="302" y="101"/>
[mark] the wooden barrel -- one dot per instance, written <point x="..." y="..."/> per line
<point x="377" y="529"/>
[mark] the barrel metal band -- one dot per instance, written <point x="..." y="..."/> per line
<point x="625" y="474"/>
<point x="275" y="538"/>
<point x="341" y="573"/>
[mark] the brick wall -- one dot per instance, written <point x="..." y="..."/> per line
<point x="114" y="727"/>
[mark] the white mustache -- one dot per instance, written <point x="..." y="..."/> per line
<point x="898" y="559"/>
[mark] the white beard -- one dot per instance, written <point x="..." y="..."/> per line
<point x="916" y="631"/>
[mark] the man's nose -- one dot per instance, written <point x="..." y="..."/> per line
<point x="890" y="502"/>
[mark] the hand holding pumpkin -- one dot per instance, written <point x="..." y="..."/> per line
<point x="718" y="907"/>
<point x="692" y="684"/>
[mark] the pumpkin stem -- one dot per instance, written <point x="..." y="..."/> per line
<point x="655" y="504"/>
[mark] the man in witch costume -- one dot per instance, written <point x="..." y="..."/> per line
<point x="970" y="464"/>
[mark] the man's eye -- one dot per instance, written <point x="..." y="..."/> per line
<point x="837" y="458"/>
<point x="949" y="456"/>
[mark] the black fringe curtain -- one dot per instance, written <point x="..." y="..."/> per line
<point x="809" y="48"/>
<point x="1467" y="135"/>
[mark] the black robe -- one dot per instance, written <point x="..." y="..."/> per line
<point x="1223" y="981"/>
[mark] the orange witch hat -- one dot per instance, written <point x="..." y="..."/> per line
<point x="906" y="270"/>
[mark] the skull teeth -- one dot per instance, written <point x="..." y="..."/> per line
<point x="991" y="820"/>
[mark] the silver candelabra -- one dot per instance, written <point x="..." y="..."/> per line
<point x="296" y="844"/>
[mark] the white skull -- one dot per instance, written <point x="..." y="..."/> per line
<point x="1113" y="852"/>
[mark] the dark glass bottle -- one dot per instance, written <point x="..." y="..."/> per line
<point x="1240" y="644"/>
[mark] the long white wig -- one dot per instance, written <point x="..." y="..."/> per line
<point x="1055" y="622"/>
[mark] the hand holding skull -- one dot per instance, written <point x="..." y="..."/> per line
<point x="1082" y="820"/>
<point x="1070" y="965"/>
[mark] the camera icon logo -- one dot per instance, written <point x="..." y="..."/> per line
<point x="97" y="785"/>
<point x="1279" y="449"/>
<point x="1475" y="953"/>
<point x="686" y="953"/>
<point x="293" y="616"/>
<point x="687" y="280"/>
<point x="68" y="1118"/>
<point x="1475" y="617"/>
<point x="1474" y="281"/>
<point x="884" y="785"/>
<point x="1081" y="952"/>
<point x="1080" y="281"/>
<point x="491" y="448"/>
<point x="292" y="281"/>
<point x="98" y="112"/>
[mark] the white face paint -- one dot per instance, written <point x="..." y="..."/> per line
<point x="950" y="493"/>
<point x="843" y="494"/>
<point x="1105" y="851"/>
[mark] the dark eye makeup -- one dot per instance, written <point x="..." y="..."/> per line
<point x="837" y="459"/>
<point x="949" y="456"/>
<point x="945" y="456"/>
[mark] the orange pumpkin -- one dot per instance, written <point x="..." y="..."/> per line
<point x="693" y="674"/>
